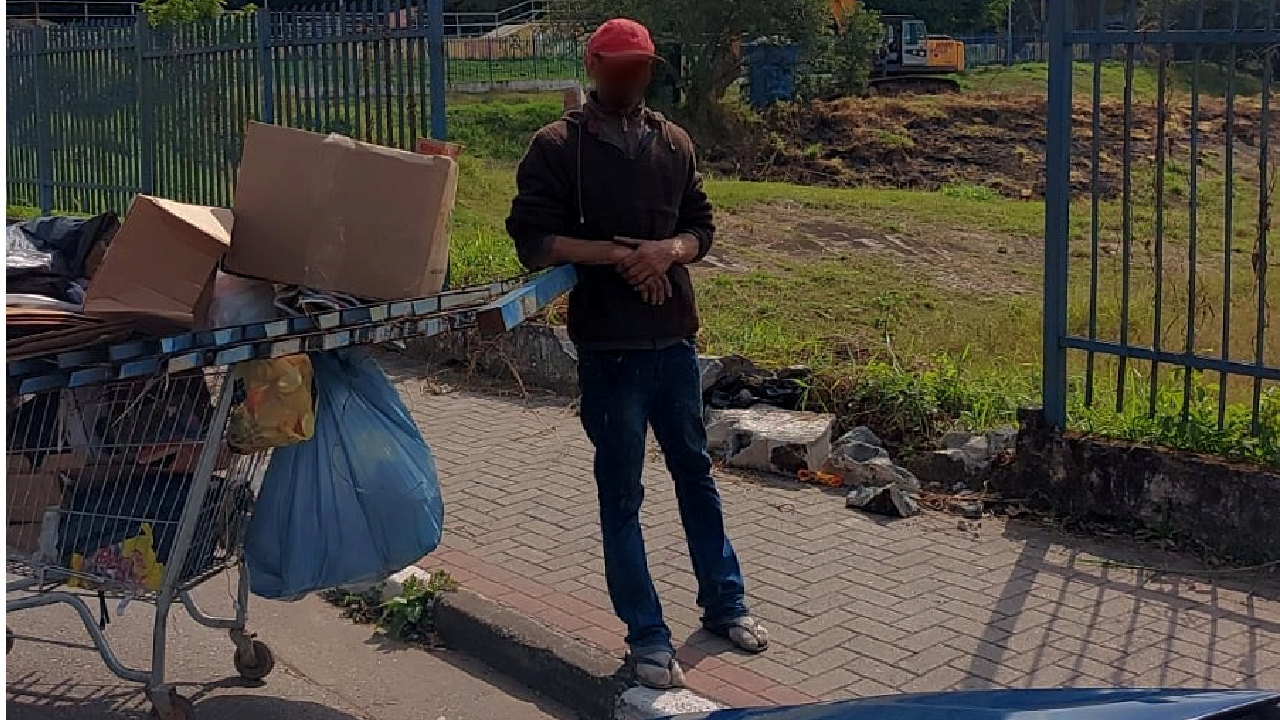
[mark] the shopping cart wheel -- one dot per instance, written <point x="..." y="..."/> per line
<point x="264" y="662"/>
<point x="180" y="708"/>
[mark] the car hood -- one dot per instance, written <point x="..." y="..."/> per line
<point x="1019" y="705"/>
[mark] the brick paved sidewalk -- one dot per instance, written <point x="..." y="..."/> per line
<point x="856" y="606"/>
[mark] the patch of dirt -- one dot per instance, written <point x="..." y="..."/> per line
<point x="756" y="238"/>
<point x="996" y="141"/>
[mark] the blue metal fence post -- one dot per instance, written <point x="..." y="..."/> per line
<point x="435" y="51"/>
<point x="266" y="68"/>
<point x="146" y="108"/>
<point x="1008" y="48"/>
<point x="1057" y="207"/>
<point x="44" y="143"/>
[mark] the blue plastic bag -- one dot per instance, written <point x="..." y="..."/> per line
<point x="355" y="503"/>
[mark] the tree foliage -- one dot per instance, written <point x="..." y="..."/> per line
<point x="709" y="34"/>
<point x="842" y="66"/>
<point x="948" y="16"/>
<point x="169" y="13"/>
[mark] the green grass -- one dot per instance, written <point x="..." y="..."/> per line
<point x="1033" y="78"/>
<point x="914" y="359"/>
<point x="499" y="127"/>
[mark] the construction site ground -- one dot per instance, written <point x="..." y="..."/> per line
<point x="995" y="141"/>
<point x="857" y="605"/>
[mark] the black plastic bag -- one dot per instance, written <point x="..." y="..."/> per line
<point x="49" y="256"/>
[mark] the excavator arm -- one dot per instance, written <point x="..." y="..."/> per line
<point x="841" y="8"/>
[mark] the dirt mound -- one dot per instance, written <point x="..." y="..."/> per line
<point x="996" y="141"/>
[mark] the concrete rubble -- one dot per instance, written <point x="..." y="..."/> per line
<point x="965" y="460"/>
<point x="769" y="439"/>
<point x="878" y="485"/>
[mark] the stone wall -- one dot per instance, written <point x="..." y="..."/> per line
<point x="1232" y="508"/>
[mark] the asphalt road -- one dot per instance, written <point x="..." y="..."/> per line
<point x="327" y="669"/>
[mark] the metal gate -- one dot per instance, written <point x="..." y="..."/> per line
<point x="1162" y="164"/>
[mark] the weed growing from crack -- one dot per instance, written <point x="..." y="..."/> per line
<point x="409" y="616"/>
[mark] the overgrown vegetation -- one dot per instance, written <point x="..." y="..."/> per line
<point x="174" y="13"/>
<point x="409" y="616"/>
<point x="843" y="60"/>
<point x="893" y="348"/>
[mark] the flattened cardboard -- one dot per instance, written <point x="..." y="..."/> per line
<point x="28" y="495"/>
<point x="161" y="261"/>
<point x="23" y="536"/>
<point x="331" y="213"/>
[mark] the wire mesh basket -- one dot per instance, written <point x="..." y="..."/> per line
<point x="128" y="490"/>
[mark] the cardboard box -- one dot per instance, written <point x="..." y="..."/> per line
<point x="23" y="537"/>
<point x="330" y="213"/>
<point x="29" y="494"/>
<point x="38" y="541"/>
<point x="161" y="262"/>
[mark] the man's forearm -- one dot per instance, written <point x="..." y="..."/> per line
<point x="563" y="250"/>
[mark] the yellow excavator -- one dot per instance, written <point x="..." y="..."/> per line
<point x="910" y="61"/>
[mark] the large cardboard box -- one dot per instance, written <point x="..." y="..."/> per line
<point x="331" y="213"/>
<point x="161" y="262"/>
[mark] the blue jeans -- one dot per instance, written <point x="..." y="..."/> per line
<point x="624" y="393"/>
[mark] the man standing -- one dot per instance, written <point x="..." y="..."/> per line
<point x="613" y="189"/>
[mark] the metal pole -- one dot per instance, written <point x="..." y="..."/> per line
<point x="266" y="68"/>
<point x="435" y="49"/>
<point x="1008" y="51"/>
<point x="1057" y="217"/>
<point x="44" y="121"/>
<point x="146" y="108"/>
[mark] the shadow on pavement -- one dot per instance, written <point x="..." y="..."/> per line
<point x="1110" y="611"/>
<point x="30" y="698"/>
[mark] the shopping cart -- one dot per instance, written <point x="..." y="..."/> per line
<point x="126" y="491"/>
<point x="122" y="489"/>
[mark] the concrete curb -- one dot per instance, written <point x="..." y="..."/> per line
<point x="640" y="703"/>
<point x="572" y="673"/>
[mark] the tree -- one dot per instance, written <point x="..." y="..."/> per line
<point x="709" y="34"/>
<point x="169" y="13"/>
<point x="948" y="16"/>
<point x="853" y="50"/>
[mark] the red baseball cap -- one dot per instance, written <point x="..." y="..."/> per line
<point x="621" y="38"/>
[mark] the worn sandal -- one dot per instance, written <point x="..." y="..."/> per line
<point x="746" y="633"/>
<point x="657" y="668"/>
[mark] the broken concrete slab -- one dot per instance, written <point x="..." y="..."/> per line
<point x="889" y="500"/>
<point x="968" y="460"/>
<point x="860" y="434"/>
<point x="859" y="451"/>
<point x="859" y="445"/>
<point x="770" y="439"/>
<point x="876" y="472"/>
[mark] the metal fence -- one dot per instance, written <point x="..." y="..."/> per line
<point x="97" y="114"/>
<point x="1160" y="272"/>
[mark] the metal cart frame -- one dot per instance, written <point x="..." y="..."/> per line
<point x="492" y="309"/>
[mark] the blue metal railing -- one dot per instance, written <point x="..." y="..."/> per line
<point x="1159" y="295"/>
<point x="98" y="113"/>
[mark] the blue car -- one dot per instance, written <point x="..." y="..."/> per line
<point x="1030" y="705"/>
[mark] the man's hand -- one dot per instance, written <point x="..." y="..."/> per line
<point x="656" y="290"/>
<point x="649" y="258"/>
